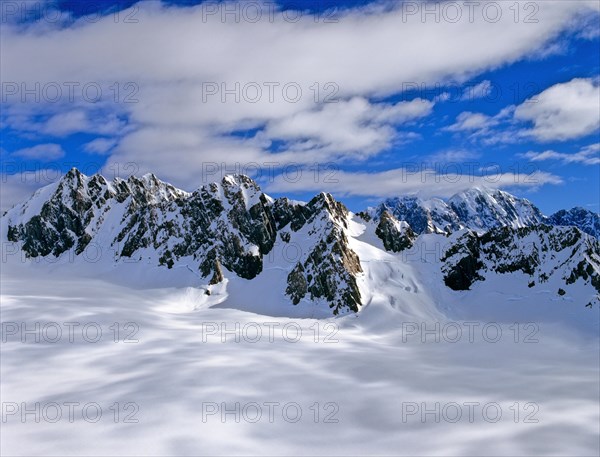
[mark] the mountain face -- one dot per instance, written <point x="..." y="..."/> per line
<point x="67" y="214"/>
<point x="475" y="209"/>
<point x="423" y="216"/>
<point x="541" y="252"/>
<point x="229" y="225"/>
<point x="585" y="220"/>
<point x="328" y="267"/>
<point x="480" y="210"/>
<point x="229" y="230"/>
<point x="396" y="235"/>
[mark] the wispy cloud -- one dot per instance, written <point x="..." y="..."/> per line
<point x="358" y="56"/>
<point x="589" y="155"/>
<point x="468" y="121"/>
<point x="401" y="181"/>
<point x="565" y="111"/>
<point x="480" y="90"/>
<point x="100" y="146"/>
<point x="453" y="155"/>
<point x="42" y="152"/>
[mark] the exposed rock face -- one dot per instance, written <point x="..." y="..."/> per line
<point x="297" y="286"/>
<point x="217" y="275"/>
<point x="585" y="220"/>
<point x="540" y="252"/>
<point x="481" y="210"/>
<point x="396" y="235"/>
<point x="328" y="268"/>
<point x="76" y="208"/>
<point x="329" y="273"/>
<point x="431" y="216"/>
<point x="475" y="209"/>
<point x="227" y="228"/>
<point x="463" y="262"/>
<point x="231" y="224"/>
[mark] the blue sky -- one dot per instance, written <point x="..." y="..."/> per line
<point x="392" y="102"/>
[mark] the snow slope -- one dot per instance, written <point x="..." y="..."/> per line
<point x="374" y="367"/>
<point x="356" y="378"/>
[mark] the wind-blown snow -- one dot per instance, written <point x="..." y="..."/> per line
<point x="368" y="374"/>
<point x="389" y="354"/>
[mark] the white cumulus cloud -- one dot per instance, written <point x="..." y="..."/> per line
<point x="42" y="152"/>
<point x="562" y="112"/>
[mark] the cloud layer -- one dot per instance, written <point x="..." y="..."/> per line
<point x="272" y="90"/>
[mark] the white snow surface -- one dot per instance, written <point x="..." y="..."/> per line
<point x="372" y="365"/>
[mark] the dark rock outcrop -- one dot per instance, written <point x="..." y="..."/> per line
<point x="396" y="236"/>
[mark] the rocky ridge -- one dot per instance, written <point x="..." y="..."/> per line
<point x="229" y="227"/>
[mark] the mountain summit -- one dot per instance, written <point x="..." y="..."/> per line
<point x="232" y="231"/>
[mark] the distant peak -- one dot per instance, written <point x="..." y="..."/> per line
<point x="74" y="172"/>
<point x="239" y="180"/>
<point x="150" y="176"/>
<point x="73" y="179"/>
<point x="477" y="190"/>
<point x="236" y="177"/>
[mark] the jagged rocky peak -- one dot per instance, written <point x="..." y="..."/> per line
<point x="237" y="180"/>
<point x="147" y="189"/>
<point x="328" y="267"/>
<point x="478" y="209"/>
<point x="54" y="220"/>
<point x="223" y="228"/>
<point x="150" y="190"/>
<point x="544" y="253"/>
<point x="327" y="271"/>
<point x="80" y="191"/>
<point x="323" y="207"/>
<point x="587" y="221"/>
<point x="396" y="235"/>
<point x="74" y="177"/>
<point x="229" y="224"/>
<point x="482" y="209"/>
<point x="423" y="216"/>
<point x="234" y="186"/>
<point x="325" y="203"/>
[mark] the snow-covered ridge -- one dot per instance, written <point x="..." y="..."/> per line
<point x="480" y="209"/>
<point x="560" y="256"/>
<point x="587" y="221"/>
<point x="317" y="256"/>
<point x="76" y="187"/>
<point x="222" y="230"/>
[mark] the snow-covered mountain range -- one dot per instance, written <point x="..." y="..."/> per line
<point x="229" y="239"/>
<point x="480" y="210"/>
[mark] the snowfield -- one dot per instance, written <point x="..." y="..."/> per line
<point x="386" y="381"/>
<point x="104" y="353"/>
